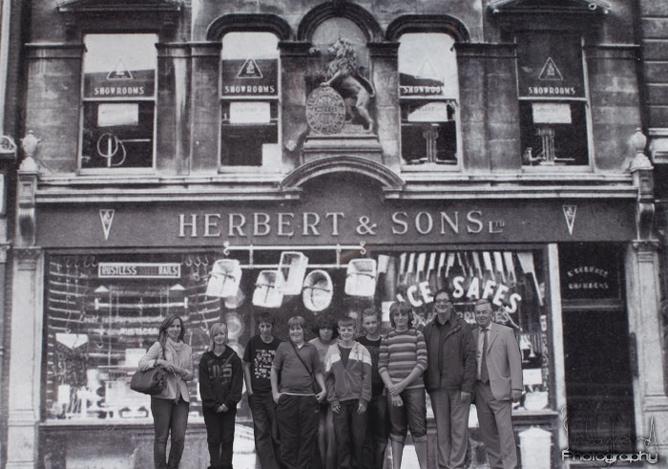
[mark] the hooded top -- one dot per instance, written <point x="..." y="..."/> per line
<point x="220" y="379"/>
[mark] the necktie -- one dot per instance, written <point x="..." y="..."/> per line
<point x="484" y="374"/>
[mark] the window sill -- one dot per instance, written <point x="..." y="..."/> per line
<point x="114" y="171"/>
<point x="555" y="168"/>
<point x="431" y="167"/>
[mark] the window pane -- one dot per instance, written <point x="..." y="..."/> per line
<point x="550" y="65"/>
<point x="422" y="72"/>
<point x="428" y="132"/>
<point x="118" y="135"/>
<point x="428" y="69"/>
<point x="250" y="133"/>
<point x="250" y="64"/>
<point x="119" y="65"/>
<point x="553" y="133"/>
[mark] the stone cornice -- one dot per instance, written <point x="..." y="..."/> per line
<point x="77" y="190"/>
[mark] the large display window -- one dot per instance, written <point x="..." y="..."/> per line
<point x="103" y="311"/>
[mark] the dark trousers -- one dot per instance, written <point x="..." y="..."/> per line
<point x="264" y="415"/>
<point x="298" y="430"/>
<point x="350" y="430"/>
<point x="377" y="431"/>
<point x="169" y="417"/>
<point x="220" y="436"/>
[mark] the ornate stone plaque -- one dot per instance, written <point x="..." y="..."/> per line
<point x="325" y="111"/>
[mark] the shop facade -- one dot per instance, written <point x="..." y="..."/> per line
<point x="476" y="153"/>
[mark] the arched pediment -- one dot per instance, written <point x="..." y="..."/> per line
<point x="389" y="180"/>
<point x="248" y="22"/>
<point x="355" y="13"/>
<point x="428" y="24"/>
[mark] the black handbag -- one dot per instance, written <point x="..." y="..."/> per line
<point x="152" y="381"/>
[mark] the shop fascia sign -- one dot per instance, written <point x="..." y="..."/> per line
<point x="289" y="224"/>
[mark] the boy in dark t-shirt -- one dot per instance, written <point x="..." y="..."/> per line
<point x="377" y="423"/>
<point x="258" y="359"/>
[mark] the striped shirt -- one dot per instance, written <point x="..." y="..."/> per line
<point x="400" y="353"/>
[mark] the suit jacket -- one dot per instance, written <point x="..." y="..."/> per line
<point x="504" y="361"/>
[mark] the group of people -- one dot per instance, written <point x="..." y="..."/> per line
<point x="335" y="401"/>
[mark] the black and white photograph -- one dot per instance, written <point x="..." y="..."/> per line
<point x="333" y="234"/>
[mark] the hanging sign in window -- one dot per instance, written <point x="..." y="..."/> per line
<point x="589" y="271"/>
<point x="138" y="270"/>
<point x="550" y="66"/>
<point x="250" y="77"/>
<point x="551" y="113"/>
<point x="250" y="112"/>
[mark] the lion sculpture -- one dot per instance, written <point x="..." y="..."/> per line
<point x="343" y="75"/>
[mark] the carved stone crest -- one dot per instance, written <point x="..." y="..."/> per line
<point x="325" y="111"/>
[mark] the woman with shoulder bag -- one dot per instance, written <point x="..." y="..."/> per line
<point x="170" y="407"/>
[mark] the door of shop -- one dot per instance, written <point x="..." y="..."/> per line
<point x="599" y="388"/>
<point x="597" y="354"/>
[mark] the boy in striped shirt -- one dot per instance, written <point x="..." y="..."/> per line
<point x="402" y="360"/>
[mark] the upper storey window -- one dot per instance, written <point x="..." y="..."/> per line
<point x="119" y="86"/>
<point x="249" y="100"/>
<point x="429" y="96"/>
<point x="553" y="103"/>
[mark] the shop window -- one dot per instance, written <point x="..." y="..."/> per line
<point x="118" y="101"/>
<point x="249" y="100"/>
<point x="429" y="94"/>
<point x="553" y="105"/>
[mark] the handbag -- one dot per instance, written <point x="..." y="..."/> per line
<point x="152" y="381"/>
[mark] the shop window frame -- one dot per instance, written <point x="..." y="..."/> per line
<point x="580" y="108"/>
<point x="153" y="99"/>
<point x="274" y="101"/>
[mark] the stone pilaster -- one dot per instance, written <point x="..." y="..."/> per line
<point x="25" y="359"/>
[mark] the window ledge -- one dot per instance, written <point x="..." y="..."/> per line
<point x="431" y="167"/>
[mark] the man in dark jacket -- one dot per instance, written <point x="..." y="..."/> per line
<point x="449" y="379"/>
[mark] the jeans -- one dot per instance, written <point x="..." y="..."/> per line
<point x="169" y="416"/>
<point x="298" y="430"/>
<point x="412" y="414"/>
<point x="350" y="430"/>
<point x="264" y="415"/>
<point x="377" y="431"/>
<point x="220" y="436"/>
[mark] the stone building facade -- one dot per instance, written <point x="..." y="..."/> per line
<point x="489" y="147"/>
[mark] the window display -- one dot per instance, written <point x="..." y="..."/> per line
<point x="103" y="311"/>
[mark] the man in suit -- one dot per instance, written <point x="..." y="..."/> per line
<point x="499" y="381"/>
